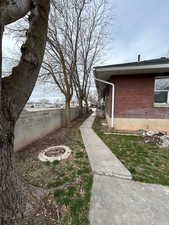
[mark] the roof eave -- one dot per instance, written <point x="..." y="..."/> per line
<point x="101" y="72"/>
<point x="106" y="73"/>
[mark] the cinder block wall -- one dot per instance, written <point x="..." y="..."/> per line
<point x="36" y="124"/>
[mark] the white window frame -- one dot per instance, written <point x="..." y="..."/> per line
<point x="161" y="104"/>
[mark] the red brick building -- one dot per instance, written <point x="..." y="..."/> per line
<point x="136" y="94"/>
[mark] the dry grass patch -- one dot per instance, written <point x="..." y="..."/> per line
<point x="67" y="183"/>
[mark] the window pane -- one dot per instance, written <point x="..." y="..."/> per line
<point x="161" y="97"/>
<point x="162" y="84"/>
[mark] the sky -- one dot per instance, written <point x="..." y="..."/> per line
<point x="139" y="27"/>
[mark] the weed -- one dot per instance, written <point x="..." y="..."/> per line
<point x="65" y="201"/>
<point x="59" y="193"/>
<point x="65" y="179"/>
<point x="76" y="205"/>
<point x="55" y="183"/>
<point x="83" y="170"/>
<point x="79" y="154"/>
<point x="55" y="162"/>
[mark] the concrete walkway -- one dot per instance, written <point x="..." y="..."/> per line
<point x="117" y="200"/>
<point x="102" y="161"/>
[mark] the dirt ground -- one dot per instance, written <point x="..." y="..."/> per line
<point x="43" y="181"/>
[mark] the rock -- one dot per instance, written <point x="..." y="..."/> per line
<point x="156" y="137"/>
<point x="164" y="141"/>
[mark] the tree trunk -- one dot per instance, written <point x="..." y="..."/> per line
<point x="11" y="198"/>
<point x="67" y="113"/>
<point x="14" y="93"/>
<point x="80" y="106"/>
<point x="1" y="35"/>
<point x="86" y="105"/>
<point x="13" y="10"/>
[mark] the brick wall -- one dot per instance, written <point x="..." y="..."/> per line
<point x="134" y="98"/>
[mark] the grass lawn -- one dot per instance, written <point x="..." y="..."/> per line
<point x="67" y="183"/>
<point x="147" y="162"/>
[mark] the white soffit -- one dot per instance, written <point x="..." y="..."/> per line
<point x="138" y="67"/>
<point x="105" y="73"/>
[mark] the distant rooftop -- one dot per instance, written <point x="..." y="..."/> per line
<point x="162" y="60"/>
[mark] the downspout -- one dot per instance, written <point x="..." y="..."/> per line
<point x="112" y="109"/>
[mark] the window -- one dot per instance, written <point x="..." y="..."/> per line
<point x="162" y="90"/>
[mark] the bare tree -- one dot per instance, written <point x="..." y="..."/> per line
<point x="62" y="45"/>
<point x="14" y="93"/>
<point x="93" y="36"/>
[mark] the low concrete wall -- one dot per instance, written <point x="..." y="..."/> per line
<point x="35" y="124"/>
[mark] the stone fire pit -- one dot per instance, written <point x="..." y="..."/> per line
<point x="51" y="154"/>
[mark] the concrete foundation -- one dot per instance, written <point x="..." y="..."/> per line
<point x="139" y="123"/>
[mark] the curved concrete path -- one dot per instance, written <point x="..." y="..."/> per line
<point x="117" y="200"/>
